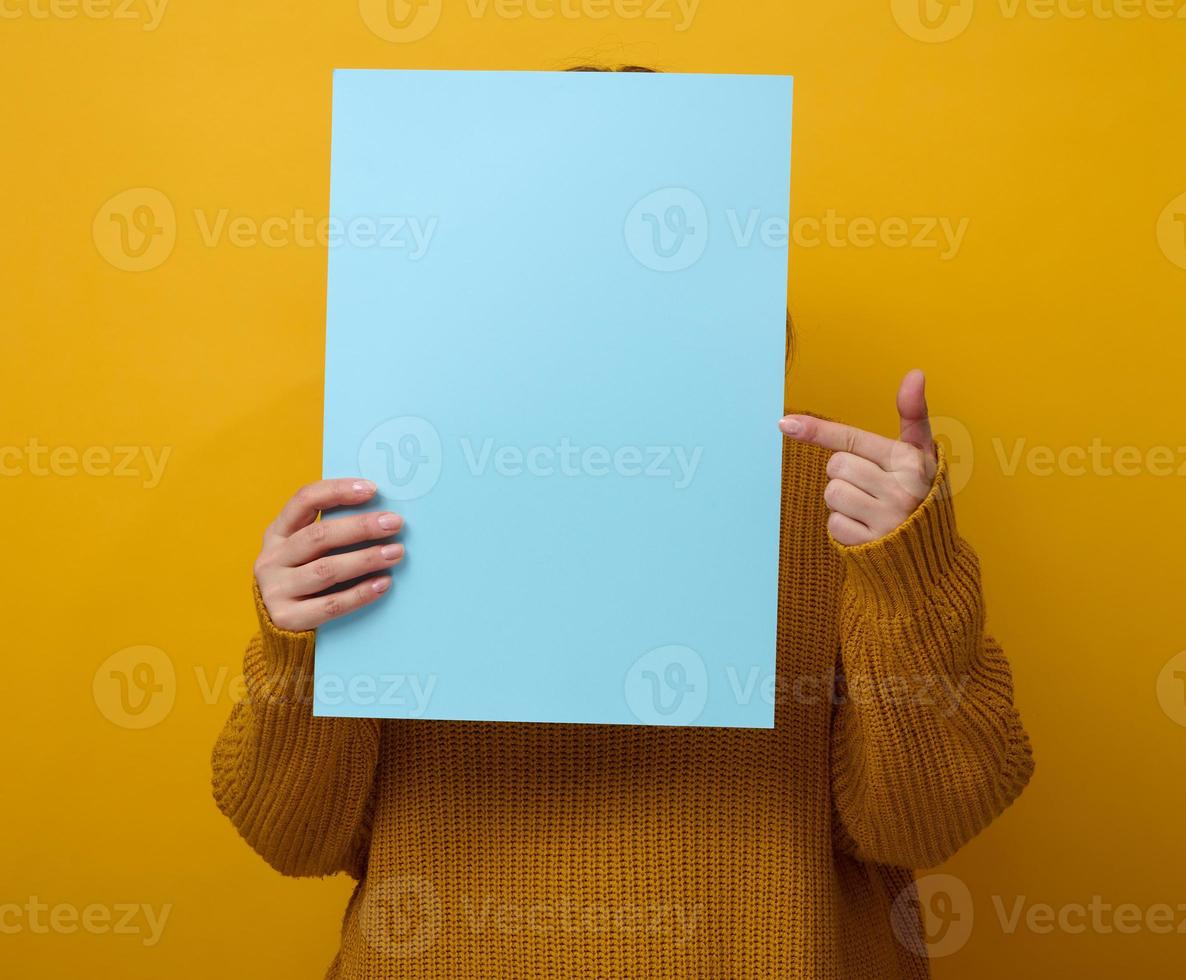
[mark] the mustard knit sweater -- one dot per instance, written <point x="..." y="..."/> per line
<point x="522" y="851"/>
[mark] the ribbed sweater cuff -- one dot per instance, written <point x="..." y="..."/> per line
<point x="284" y="671"/>
<point x="897" y="572"/>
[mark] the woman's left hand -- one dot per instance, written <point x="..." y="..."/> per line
<point x="877" y="483"/>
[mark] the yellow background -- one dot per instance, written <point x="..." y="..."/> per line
<point x="1059" y="321"/>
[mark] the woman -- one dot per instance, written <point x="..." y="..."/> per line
<point x="488" y="850"/>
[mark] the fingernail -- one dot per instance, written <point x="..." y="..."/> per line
<point x="389" y="522"/>
<point x="364" y="486"/>
<point x="792" y="427"/>
<point x="380" y="584"/>
<point x="390" y="552"/>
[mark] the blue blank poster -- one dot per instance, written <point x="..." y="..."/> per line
<point x="556" y="322"/>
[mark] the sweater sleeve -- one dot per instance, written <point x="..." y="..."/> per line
<point x="927" y="747"/>
<point x="298" y="788"/>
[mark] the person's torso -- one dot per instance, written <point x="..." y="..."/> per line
<point x="523" y="851"/>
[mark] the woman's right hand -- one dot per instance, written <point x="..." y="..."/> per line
<point x="294" y="565"/>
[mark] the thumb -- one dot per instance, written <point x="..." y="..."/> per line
<point x="912" y="411"/>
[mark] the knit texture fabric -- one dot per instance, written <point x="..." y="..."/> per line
<point x="498" y="851"/>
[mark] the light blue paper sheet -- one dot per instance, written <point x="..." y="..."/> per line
<point x="555" y="340"/>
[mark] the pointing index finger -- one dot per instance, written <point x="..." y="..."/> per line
<point x="839" y="438"/>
